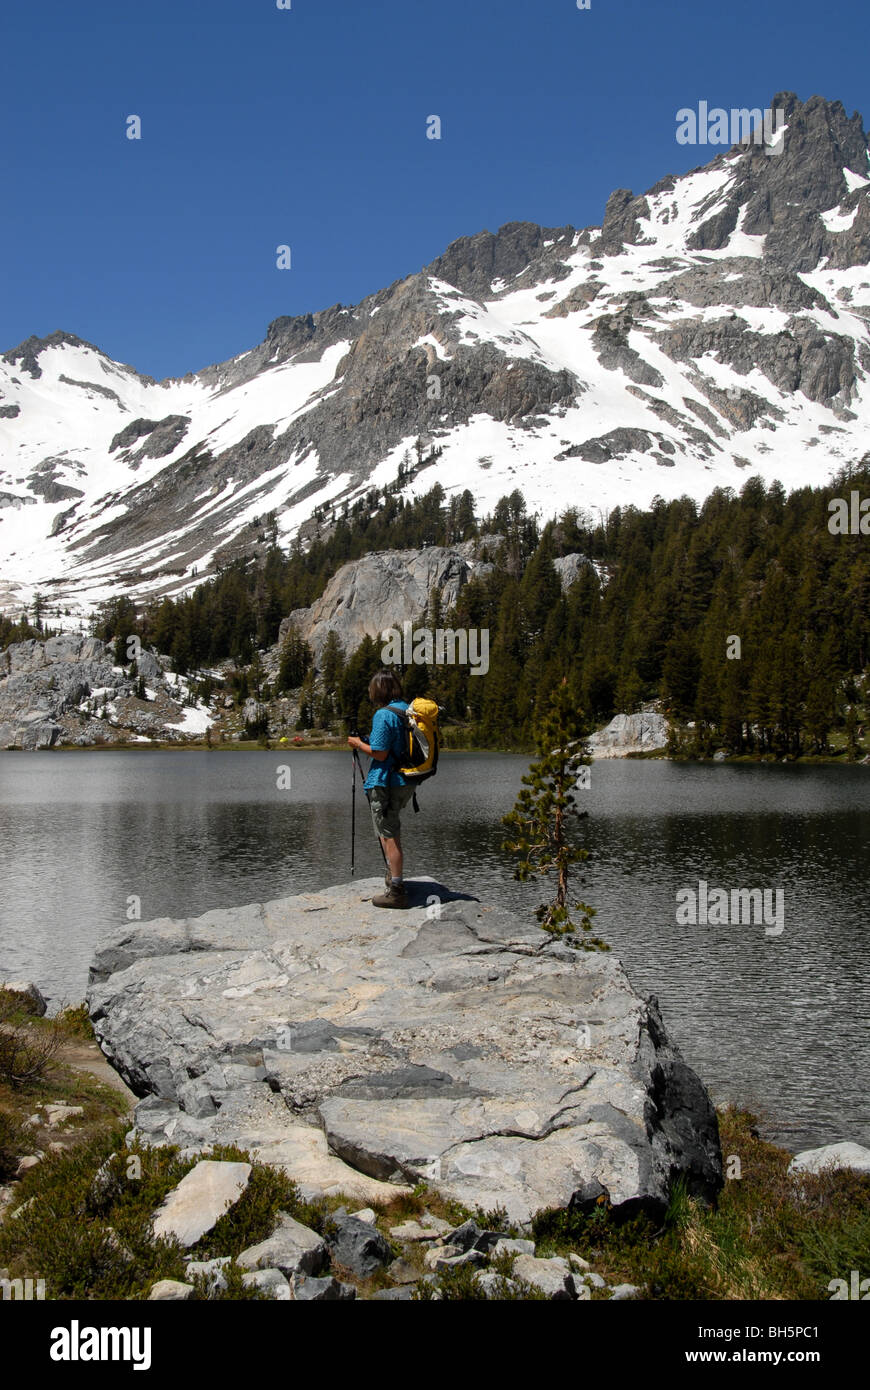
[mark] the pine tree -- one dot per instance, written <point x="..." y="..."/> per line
<point x="541" y="816"/>
<point x="354" y="686"/>
<point x="306" y="703"/>
<point x="295" y="660"/>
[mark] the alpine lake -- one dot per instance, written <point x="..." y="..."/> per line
<point x="772" y="1017"/>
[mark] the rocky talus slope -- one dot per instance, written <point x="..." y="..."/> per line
<point x="67" y="690"/>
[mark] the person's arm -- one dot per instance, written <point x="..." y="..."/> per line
<point x="377" y="753"/>
<point x="378" y="746"/>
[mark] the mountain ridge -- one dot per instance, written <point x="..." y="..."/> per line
<point x="717" y="323"/>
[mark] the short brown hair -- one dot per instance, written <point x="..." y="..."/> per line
<point x="384" y="687"/>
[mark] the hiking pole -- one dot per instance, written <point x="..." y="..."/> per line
<point x="362" y="779"/>
<point x="357" y="767"/>
<point x="352" y="811"/>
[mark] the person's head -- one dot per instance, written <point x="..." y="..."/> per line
<point x="383" y="688"/>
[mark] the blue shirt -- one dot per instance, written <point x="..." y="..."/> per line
<point x="389" y="732"/>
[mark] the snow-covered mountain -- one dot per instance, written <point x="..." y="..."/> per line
<point x="714" y="327"/>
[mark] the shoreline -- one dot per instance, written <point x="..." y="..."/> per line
<point x="252" y="746"/>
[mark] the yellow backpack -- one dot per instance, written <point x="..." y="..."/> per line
<point x="421" y="721"/>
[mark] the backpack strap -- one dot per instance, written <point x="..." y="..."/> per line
<point x="397" y="708"/>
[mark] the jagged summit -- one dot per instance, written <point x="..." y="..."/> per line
<point x="714" y="326"/>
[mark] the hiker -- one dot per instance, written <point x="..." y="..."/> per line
<point x="387" y="789"/>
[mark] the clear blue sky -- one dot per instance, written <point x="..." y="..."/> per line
<point x="307" y="127"/>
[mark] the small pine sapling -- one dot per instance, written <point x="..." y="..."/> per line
<point x="541" y="817"/>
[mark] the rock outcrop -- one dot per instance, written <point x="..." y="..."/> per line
<point x="363" y="1051"/>
<point x="630" y="733"/>
<point x="384" y="590"/>
<point x="67" y="690"/>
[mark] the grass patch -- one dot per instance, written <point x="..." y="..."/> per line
<point x="770" y="1236"/>
<point x="85" y="1226"/>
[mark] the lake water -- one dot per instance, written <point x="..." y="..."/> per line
<point x="776" y="1022"/>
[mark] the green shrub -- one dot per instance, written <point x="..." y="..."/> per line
<point x="76" y="1023"/>
<point x="27" y="1054"/>
<point x="12" y="1145"/>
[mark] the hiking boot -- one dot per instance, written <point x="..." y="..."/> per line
<point x="394" y="897"/>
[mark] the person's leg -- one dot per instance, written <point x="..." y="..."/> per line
<point x="395" y="862"/>
<point x="386" y="817"/>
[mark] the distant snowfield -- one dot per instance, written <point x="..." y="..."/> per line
<point x="195" y="720"/>
<point x="69" y="416"/>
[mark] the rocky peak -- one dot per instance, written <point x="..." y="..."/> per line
<point x="27" y="353"/>
<point x="473" y="263"/>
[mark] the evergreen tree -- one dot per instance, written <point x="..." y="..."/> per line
<point x="354" y="686"/>
<point x="295" y="660"/>
<point x="306" y="703"/>
<point x="541" y="817"/>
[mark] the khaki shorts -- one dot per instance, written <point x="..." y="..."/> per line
<point x="387" y="805"/>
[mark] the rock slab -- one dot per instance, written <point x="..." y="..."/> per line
<point x="459" y="1046"/>
<point x="202" y="1197"/>
<point x="291" y="1248"/>
<point x="832" y="1156"/>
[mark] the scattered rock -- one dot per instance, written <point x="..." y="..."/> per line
<point x="291" y="1248"/>
<point x="326" y="1290"/>
<point x="26" y="1163"/>
<point x="270" y="1281"/>
<point x="210" y="1270"/>
<point x="624" y="1291"/>
<point x="403" y="1294"/>
<point x="435" y="1258"/>
<point x="170" y="1290"/>
<point x="553" y="1277"/>
<point x="365" y="1214"/>
<point x="357" y="1246"/>
<point x="201" y="1199"/>
<point x="832" y="1156"/>
<point x="590" y="1277"/>
<point x="468" y="1257"/>
<point x="435" y="1223"/>
<point x="506" y="1246"/>
<point x="401" y="1272"/>
<point x="28" y="998"/>
<point x="494" y="1285"/>
<point x="58" y="1114"/>
<point x="465" y="1236"/>
<point x="411" y="1231"/>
